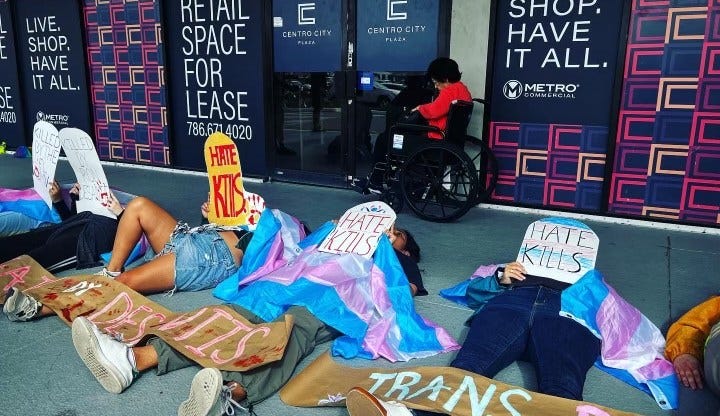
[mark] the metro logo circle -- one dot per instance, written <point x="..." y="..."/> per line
<point x="512" y="89"/>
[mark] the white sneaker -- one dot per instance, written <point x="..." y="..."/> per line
<point x="20" y="307"/>
<point x="208" y="396"/>
<point x="361" y="402"/>
<point x="107" y="273"/>
<point x="106" y="358"/>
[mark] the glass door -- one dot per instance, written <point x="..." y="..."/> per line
<point x="308" y="127"/>
<point x="344" y="69"/>
<point x="309" y="93"/>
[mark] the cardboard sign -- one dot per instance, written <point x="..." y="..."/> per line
<point x="559" y="248"/>
<point x="45" y="154"/>
<point x="213" y="336"/>
<point x="445" y="390"/>
<point x="230" y="204"/>
<point x="94" y="188"/>
<point x="359" y="229"/>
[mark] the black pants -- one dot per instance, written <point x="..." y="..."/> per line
<point x="56" y="254"/>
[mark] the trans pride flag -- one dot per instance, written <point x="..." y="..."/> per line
<point x="368" y="300"/>
<point x="632" y="346"/>
<point x="27" y="202"/>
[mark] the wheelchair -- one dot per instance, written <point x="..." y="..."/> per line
<point x="440" y="180"/>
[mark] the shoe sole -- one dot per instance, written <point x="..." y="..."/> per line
<point x="88" y="348"/>
<point x="360" y="402"/>
<point x="10" y="306"/>
<point x="204" y="392"/>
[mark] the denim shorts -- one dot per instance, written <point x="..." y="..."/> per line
<point x="202" y="259"/>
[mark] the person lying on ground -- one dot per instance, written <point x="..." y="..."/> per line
<point x="562" y="329"/>
<point x="116" y="366"/>
<point x="693" y="346"/>
<point x="23" y="210"/>
<point x="362" y="297"/>
<point x="522" y="320"/>
<point x="77" y="241"/>
<point x="189" y="259"/>
<point x="523" y="317"/>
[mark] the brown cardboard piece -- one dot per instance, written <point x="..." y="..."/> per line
<point x="445" y="390"/>
<point x="213" y="336"/>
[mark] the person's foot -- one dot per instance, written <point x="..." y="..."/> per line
<point x="208" y="396"/>
<point x="365" y="186"/>
<point x="20" y="307"/>
<point x="106" y="358"/>
<point x="375" y="188"/>
<point x="107" y="273"/>
<point x="361" y="402"/>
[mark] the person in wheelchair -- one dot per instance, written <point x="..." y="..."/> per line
<point x="416" y="92"/>
<point x="445" y="75"/>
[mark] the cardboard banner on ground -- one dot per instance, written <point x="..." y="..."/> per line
<point x="445" y="390"/>
<point x="559" y="248"/>
<point x="212" y="336"/>
<point x="230" y="204"/>
<point x="359" y="229"/>
<point x="94" y="188"/>
<point x="45" y="155"/>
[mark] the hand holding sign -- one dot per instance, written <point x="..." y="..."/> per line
<point x="559" y="248"/>
<point x="513" y="271"/>
<point x="359" y="229"/>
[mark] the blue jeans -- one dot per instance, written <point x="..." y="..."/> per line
<point x="202" y="259"/>
<point x="12" y="222"/>
<point x="524" y="323"/>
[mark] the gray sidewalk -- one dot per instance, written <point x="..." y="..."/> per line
<point x="662" y="273"/>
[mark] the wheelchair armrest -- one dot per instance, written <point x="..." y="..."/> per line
<point x="416" y="128"/>
<point x="480" y="100"/>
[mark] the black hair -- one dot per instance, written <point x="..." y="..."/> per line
<point x="444" y="70"/>
<point x="411" y="246"/>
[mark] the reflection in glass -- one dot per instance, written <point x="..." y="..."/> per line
<point x="307" y="121"/>
<point x="308" y="130"/>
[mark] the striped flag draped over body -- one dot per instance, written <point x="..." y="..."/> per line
<point x="367" y="300"/>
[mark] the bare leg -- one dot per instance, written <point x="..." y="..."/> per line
<point x="157" y="275"/>
<point x="238" y="392"/>
<point x="145" y="357"/>
<point x="141" y="216"/>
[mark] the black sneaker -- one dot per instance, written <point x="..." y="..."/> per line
<point x="360" y="185"/>
<point x="365" y="186"/>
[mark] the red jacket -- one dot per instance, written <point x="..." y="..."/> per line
<point x="436" y="112"/>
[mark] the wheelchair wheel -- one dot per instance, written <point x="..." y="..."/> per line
<point x="439" y="182"/>
<point x="485" y="164"/>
